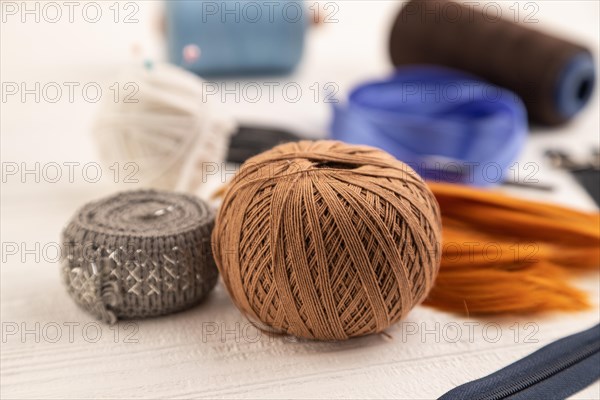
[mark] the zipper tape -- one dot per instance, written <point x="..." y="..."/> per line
<point x="556" y="371"/>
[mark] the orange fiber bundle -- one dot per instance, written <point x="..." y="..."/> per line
<point x="504" y="255"/>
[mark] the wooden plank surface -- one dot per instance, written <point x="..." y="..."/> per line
<point x="52" y="349"/>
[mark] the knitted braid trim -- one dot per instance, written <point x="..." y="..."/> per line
<point x="139" y="254"/>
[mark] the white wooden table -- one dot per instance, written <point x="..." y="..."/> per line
<point x="52" y="349"/>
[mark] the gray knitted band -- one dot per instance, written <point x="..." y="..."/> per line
<point x="139" y="254"/>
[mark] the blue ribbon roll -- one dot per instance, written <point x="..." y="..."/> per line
<point x="236" y="37"/>
<point x="446" y="125"/>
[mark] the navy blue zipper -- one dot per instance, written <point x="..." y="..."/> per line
<point x="556" y="371"/>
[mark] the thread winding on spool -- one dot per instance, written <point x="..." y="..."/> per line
<point x="554" y="77"/>
<point x="236" y="37"/>
<point x="139" y="254"/>
<point x="325" y="240"/>
<point x="162" y="124"/>
<point x="446" y="125"/>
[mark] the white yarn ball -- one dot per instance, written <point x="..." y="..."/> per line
<point x="166" y="128"/>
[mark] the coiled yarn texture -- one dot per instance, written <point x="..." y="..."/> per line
<point x="139" y="254"/>
<point x="325" y="240"/>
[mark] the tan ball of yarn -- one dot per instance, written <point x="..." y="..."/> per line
<point x="325" y="240"/>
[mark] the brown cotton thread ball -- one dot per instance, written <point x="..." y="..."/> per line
<point x="325" y="240"/>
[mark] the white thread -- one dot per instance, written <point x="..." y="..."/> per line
<point x="165" y="128"/>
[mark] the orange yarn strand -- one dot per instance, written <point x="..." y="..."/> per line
<point x="504" y="255"/>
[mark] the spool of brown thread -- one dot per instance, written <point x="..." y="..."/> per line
<point x="325" y="240"/>
<point x="554" y="77"/>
